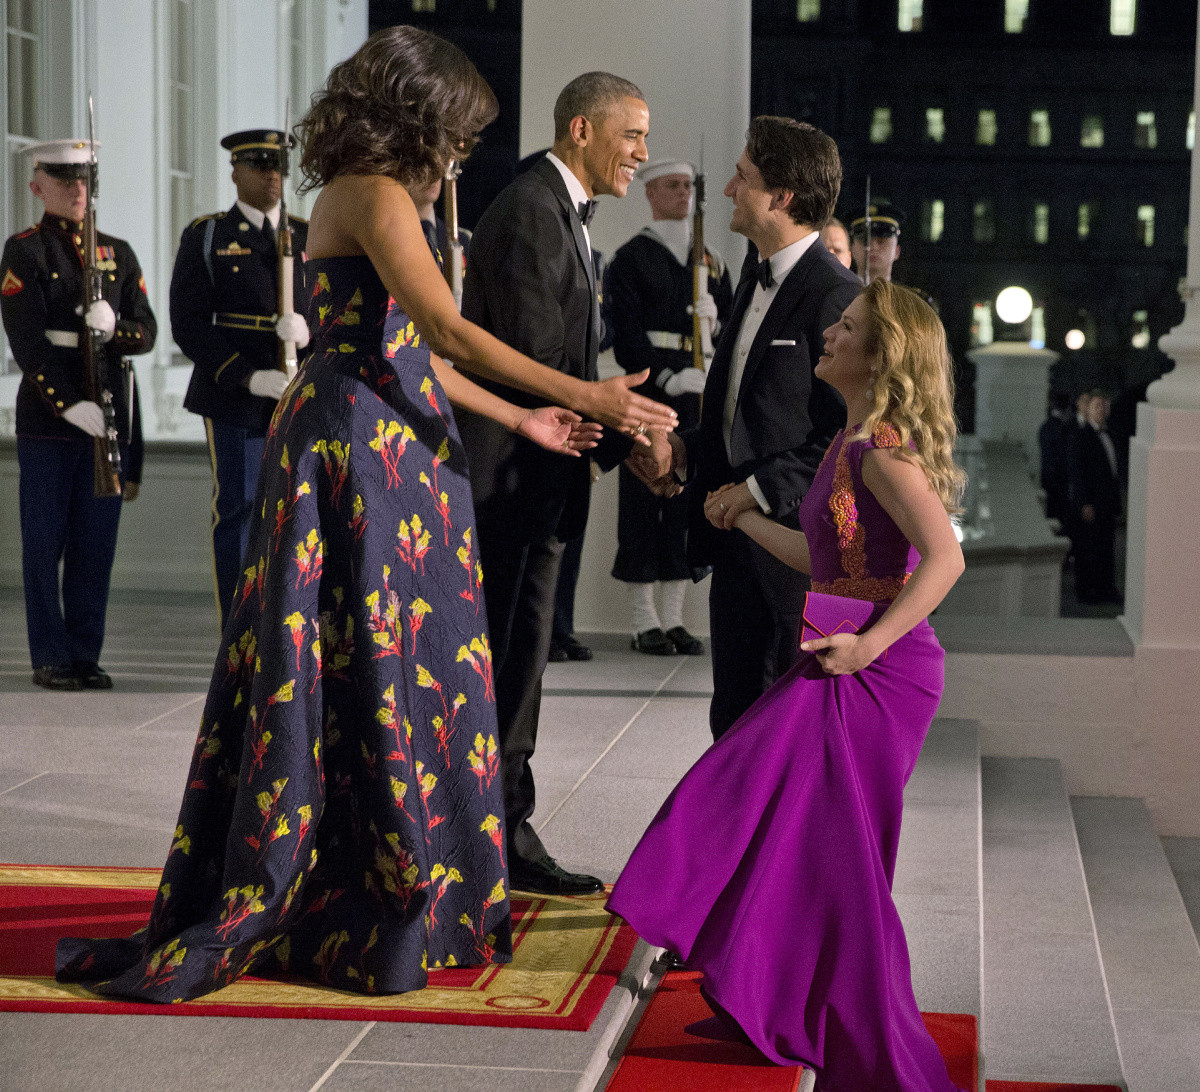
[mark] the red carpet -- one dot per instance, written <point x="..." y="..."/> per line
<point x="662" y="1057"/>
<point x="567" y="955"/>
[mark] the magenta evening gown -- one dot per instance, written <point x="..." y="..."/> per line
<point x="769" y="868"/>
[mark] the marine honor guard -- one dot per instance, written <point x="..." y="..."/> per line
<point x="225" y="317"/>
<point x="42" y="292"/>
<point x="650" y="298"/>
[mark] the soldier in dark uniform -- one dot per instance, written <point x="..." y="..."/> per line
<point x="224" y="303"/>
<point x="884" y="247"/>
<point x="649" y="290"/>
<point x="41" y="293"/>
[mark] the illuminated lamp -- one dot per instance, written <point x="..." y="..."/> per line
<point x="1074" y="339"/>
<point x="1014" y="305"/>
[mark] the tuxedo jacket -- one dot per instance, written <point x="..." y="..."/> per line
<point x="785" y="418"/>
<point x="531" y="282"/>
<point x="1090" y="477"/>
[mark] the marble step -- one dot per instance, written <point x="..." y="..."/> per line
<point x="1151" y="958"/>
<point x="1046" y="1013"/>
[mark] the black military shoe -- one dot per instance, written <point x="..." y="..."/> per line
<point x="558" y="654"/>
<point x="92" y="676"/>
<point x="653" y="642"/>
<point x="57" y="678"/>
<point x="685" y="644"/>
<point x="547" y="878"/>
<point x="576" y="651"/>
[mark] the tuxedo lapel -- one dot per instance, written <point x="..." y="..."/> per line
<point x="781" y="308"/>
<point x="549" y="172"/>
<point x="717" y="387"/>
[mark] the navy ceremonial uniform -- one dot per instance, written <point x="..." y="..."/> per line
<point x="649" y="292"/>
<point x="41" y="292"/>
<point x="224" y="297"/>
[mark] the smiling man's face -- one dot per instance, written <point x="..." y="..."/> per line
<point x="616" y="146"/>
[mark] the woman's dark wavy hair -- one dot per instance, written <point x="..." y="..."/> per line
<point x="403" y="106"/>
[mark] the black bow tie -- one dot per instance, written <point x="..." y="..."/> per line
<point x="763" y="273"/>
<point x="586" y="209"/>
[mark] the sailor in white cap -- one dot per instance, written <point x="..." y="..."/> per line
<point x="649" y="293"/>
<point x="41" y="299"/>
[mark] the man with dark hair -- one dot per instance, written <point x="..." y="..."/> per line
<point x="766" y="420"/>
<point x="837" y="240"/>
<point x="531" y="282"/>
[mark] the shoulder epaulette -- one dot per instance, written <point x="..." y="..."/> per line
<point x="208" y="216"/>
<point x="27" y="232"/>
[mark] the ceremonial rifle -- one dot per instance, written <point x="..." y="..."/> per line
<point x="452" y="264"/>
<point x="283" y="246"/>
<point x="702" y="347"/>
<point x="106" y="458"/>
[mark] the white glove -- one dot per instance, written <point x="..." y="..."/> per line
<point x="292" y="328"/>
<point x="86" y="415"/>
<point x="706" y="308"/>
<point x="268" y="383"/>
<point x="685" y="381"/>
<point x="101" y="317"/>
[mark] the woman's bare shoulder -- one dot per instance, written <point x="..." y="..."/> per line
<point x="349" y="208"/>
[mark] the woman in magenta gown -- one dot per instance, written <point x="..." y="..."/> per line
<point x="769" y="868"/>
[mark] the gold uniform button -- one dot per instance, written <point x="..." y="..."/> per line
<point x="112" y="276"/>
<point x="40" y="378"/>
<point x="49" y="390"/>
<point x="235" y="269"/>
<point x="59" y="405"/>
<point x="78" y="239"/>
<point x="54" y="276"/>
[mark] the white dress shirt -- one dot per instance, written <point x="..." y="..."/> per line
<point x="575" y="191"/>
<point x="256" y="217"/>
<point x="782" y="263"/>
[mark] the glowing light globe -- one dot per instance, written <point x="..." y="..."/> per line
<point x="1014" y="305"/>
<point x="1074" y="339"/>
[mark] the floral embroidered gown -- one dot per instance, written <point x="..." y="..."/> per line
<point x="342" y="820"/>
<point x="769" y="868"/>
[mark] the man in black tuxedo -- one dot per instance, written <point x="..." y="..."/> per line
<point x="767" y="420"/>
<point x="1094" y="502"/>
<point x="531" y="282"/>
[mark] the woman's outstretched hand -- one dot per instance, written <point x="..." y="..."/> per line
<point x="559" y="430"/>
<point x="843" y="653"/>
<point x="613" y="403"/>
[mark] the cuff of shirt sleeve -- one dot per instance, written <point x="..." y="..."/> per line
<point x="757" y="494"/>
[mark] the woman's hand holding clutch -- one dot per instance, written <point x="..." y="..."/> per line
<point x="559" y="430"/>
<point x="843" y="653"/>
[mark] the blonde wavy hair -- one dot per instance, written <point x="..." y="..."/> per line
<point x="913" y="385"/>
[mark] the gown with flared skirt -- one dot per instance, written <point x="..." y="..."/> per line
<point x="769" y="868"/>
<point x="342" y="820"/>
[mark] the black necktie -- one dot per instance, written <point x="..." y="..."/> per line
<point x="587" y="209"/>
<point x="268" y="232"/>
<point x="763" y="273"/>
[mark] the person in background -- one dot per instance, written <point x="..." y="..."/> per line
<point x="1053" y="437"/>
<point x="224" y="299"/>
<point x="650" y="294"/>
<point x="1094" y="494"/>
<point x="837" y="240"/>
<point x="882" y="252"/>
<point x="62" y="521"/>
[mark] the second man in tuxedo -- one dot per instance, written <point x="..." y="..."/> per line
<point x="531" y="282"/>
<point x="767" y="420"/>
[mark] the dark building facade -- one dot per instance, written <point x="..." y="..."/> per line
<point x="1027" y="142"/>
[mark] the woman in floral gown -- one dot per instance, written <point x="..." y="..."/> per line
<point x="769" y="868"/>
<point x="342" y="818"/>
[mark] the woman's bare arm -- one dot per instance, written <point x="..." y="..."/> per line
<point x="375" y="216"/>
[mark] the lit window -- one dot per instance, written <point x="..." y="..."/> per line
<point x="935" y="124"/>
<point x="981" y="324"/>
<point x="985" y="222"/>
<point x="1087" y="219"/>
<point x="24" y="109"/>
<point x="1039" y="128"/>
<point x="1146" y="133"/>
<point x="1015" y="14"/>
<point x="1040" y="225"/>
<point x="1140" y="332"/>
<point x="1121" y="16"/>
<point x="985" y="127"/>
<point x="881" y="125"/>
<point x="1037" y="328"/>
<point x="1145" y="216"/>
<point x="424" y="5"/>
<point x="181" y="85"/>
<point x="933" y="220"/>
<point x="808" y="11"/>
<point x="908" y="15"/>
<point x="1091" y="132"/>
<point x="1190" y="139"/>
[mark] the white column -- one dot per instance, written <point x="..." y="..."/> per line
<point x="1012" y="380"/>
<point x="691" y="59"/>
<point x="1162" y="582"/>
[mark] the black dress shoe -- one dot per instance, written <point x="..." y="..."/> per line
<point x="685" y="644"/>
<point x="558" y="654"/>
<point x="576" y="651"/>
<point x="653" y="642"/>
<point x="57" y="678"/>
<point x="91" y="675"/>
<point x="547" y="878"/>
